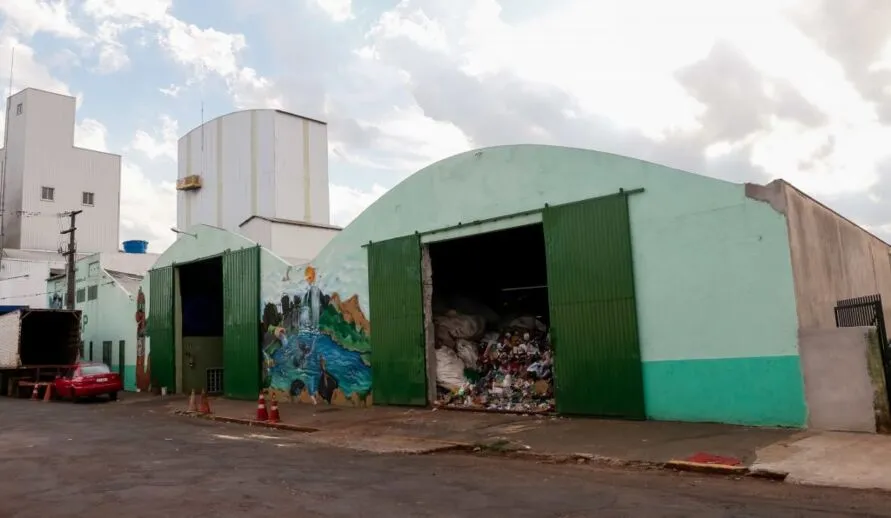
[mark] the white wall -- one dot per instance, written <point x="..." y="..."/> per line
<point x="255" y="162"/>
<point x="299" y="242"/>
<point x="258" y="230"/>
<point x="136" y="264"/>
<point x="42" y="154"/>
<point x="838" y="388"/>
<point x="23" y="283"/>
<point x="301" y="170"/>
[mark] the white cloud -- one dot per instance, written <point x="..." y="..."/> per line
<point x="202" y="51"/>
<point x="620" y="62"/>
<point x="148" y="209"/>
<point x="171" y="91"/>
<point x="338" y="10"/>
<point x="347" y="202"/>
<point x="91" y="134"/>
<point x="406" y="140"/>
<point x="160" y="144"/>
<point x="138" y="12"/>
<point x="27" y="71"/>
<point x="29" y="17"/>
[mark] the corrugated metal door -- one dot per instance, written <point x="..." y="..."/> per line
<point x="398" y="366"/>
<point x="593" y="313"/>
<point x="241" y="321"/>
<point x="160" y="328"/>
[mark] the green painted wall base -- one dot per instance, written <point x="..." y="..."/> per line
<point x="764" y="391"/>
<point x="130" y="378"/>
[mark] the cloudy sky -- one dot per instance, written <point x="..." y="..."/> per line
<point x="747" y="90"/>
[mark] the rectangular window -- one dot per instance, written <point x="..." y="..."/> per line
<point x="106" y="358"/>
<point x="88" y="198"/>
<point x="92" y="292"/>
<point x="18" y="109"/>
<point x="47" y="193"/>
<point x="81" y="295"/>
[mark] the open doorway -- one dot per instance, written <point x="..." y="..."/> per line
<point x="200" y="334"/>
<point x="490" y="316"/>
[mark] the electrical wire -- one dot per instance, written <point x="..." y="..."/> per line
<point x="48" y="292"/>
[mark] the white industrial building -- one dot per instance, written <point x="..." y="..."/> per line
<point x="259" y="173"/>
<point x="46" y="175"/>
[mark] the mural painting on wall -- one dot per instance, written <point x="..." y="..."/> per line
<point x="316" y="345"/>
<point x="143" y="369"/>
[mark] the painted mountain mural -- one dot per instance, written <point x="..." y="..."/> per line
<point x="316" y="346"/>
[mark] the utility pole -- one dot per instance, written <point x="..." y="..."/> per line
<point x="71" y="256"/>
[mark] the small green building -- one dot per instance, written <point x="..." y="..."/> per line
<point x="106" y="289"/>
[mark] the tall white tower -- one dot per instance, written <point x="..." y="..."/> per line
<point x="260" y="173"/>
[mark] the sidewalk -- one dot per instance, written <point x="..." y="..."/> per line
<point x="819" y="458"/>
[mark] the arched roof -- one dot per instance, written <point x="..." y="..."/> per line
<point x="501" y="180"/>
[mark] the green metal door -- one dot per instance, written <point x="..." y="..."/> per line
<point x="160" y="328"/>
<point x="241" y="321"/>
<point x="597" y="364"/>
<point x="398" y="365"/>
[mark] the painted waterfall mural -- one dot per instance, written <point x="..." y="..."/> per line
<point x="316" y="346"/>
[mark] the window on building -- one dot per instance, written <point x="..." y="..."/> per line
<point x="81" y="295"/>
<point x="47" y="193"/>
<point x="92" y="292"/>
<point x="88" y="198"/>
<point x="19" y="109"/>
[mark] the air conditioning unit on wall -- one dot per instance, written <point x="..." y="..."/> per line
<point x="189" y="183"/>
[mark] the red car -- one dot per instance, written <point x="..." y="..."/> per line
<point x="88" y="379"/>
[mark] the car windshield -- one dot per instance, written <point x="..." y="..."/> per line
<point x="86" y="370"/>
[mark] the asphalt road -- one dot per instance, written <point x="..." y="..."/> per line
<point x="134" y="460"/>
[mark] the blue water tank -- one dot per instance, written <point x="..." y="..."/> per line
<point x="135" y="246"/>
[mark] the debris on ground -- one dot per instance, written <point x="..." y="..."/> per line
<point x="506" y="370"/>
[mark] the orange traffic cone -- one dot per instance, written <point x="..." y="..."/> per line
<point x="193" y="407"/>
<point x="48" y="393"/>
<point x="34" y="394"/>
<point x="273" y="410"/>
<point x="205" y="403"/>
<point x="261" y="408"/>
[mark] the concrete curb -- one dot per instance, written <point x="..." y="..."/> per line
<point x="726" y="469"/>
<point x="248" y="422"/>
<point x="699" y="467"/>
<point x="549" y="458"/>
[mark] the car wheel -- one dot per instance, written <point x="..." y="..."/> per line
<point x="113" y="396"/>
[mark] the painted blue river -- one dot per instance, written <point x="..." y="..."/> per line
<point x="299" y="359"/>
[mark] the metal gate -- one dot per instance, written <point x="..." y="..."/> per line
<point x="863" y="312"/>
<point x="597" y="363"/>
<point x="160" y="328"/>
<point x="241" y="317"/>
<point x="398" y="363"/>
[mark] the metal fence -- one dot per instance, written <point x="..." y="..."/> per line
<point x="867" y="311"/>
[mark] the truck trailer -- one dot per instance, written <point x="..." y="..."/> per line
<point x="36" y="345"/>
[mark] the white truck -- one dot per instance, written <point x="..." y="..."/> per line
<point x="36" y="345"/>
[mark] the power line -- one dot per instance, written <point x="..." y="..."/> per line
<point x="47" y="292"/>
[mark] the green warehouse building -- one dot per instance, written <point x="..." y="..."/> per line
<point x="525" y="278"/>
